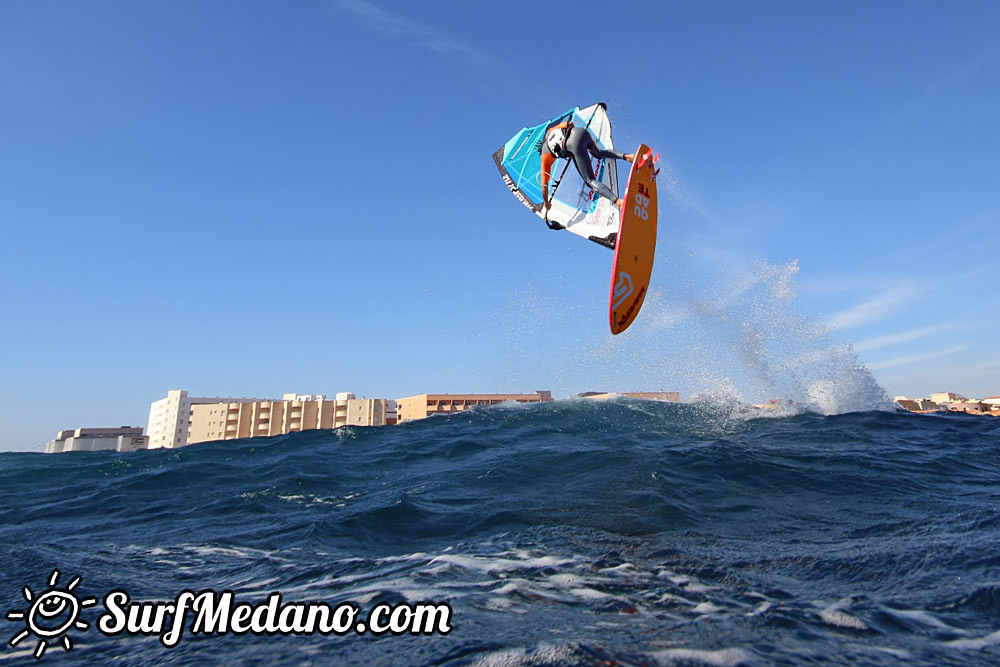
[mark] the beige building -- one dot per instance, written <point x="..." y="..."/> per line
<point x="124" y="439"/>
<point x="916" y="404"/>
<point x="668" y="396"/>
<point x="425" y="405"/>
<point x="170" y="418"/>
<point x="296" y="412"/>
<point x="972" y="407"/>
<point x="946" y="397"/>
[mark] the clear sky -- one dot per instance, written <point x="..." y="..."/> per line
<point x="248" y="198"/>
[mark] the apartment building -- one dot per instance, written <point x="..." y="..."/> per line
<point x="973" y="407"/>
<point x="170" y="418"/>
<point x="425" y="405"/>
<point x="295" y="412"/>
<point x="945" y="397"/>
<point x="916" y="404"/>
<point x="124" y="439"/>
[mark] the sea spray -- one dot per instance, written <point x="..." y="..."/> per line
<point x="709" y="328"/>
<point x="753" y="345"/>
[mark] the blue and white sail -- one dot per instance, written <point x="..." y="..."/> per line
<point x="574" y="205"/>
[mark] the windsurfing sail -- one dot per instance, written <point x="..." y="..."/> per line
<point x="574" y="205"/>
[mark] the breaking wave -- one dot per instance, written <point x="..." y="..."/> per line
<point x="574" y="532"/>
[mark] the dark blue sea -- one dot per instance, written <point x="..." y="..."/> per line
<point x="570" y="533"/>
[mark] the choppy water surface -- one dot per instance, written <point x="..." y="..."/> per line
<point x="624" y="532"/>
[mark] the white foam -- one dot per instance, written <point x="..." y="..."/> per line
<point x="513" y="586"/>
<point x="569" y="580"/>
<point x="504" y="605"/>
<point x="493" y="564"/>
<point x="706" y="608"/>
<point x="233" y="552"/>
<point x="979" y="643"/>
<point x="522" y="586"/>
<point x="419" y="555"/>
<point x="834" y="615"/>
<point x="545" y="654"/>
<point x="726" y="657"/>
<point x="502" y="658"/>
<point x="694" y="587"/>
<point x="590" y="594"/>
<point x="625" y="570"/>
<point x="310" y="499"/>
<point x="888" y="650"/>
<point x="842" y="620"/>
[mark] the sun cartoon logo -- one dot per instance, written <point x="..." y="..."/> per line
<point x="51" y="615"/>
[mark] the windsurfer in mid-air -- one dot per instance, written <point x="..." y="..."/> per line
<point x="564" y="140"/>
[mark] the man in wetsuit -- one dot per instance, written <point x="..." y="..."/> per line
<point x="563" y="140"/>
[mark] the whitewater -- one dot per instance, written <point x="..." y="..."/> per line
<point x="575" y="532"/>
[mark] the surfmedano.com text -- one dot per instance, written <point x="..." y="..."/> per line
<point x="217" y="613"/>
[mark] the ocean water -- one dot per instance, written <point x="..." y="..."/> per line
<point x="576" y="532"/>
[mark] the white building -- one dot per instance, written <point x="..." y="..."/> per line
<point x="945" y="397"/>
<point x="124" y="439"/>
<point x="170" y="417"/>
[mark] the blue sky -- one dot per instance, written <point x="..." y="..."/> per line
<point x="252" y="198"/>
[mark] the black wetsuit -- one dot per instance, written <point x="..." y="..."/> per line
<point x="580" y="145"/>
